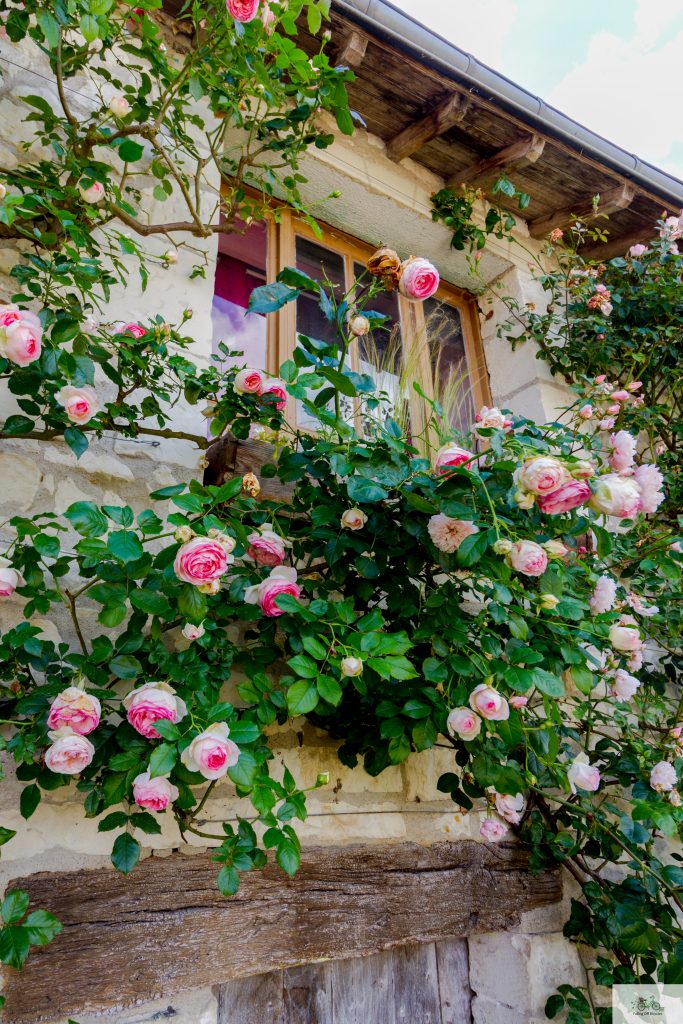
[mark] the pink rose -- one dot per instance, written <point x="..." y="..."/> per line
<point x="278" y="388"/>
<point x="621" y="395"/>
<point x="600" y="379"/>
<point x="663" y="777"/>
<point x="135" y="330"/>
<point x="510" y="807"/>
<point x="154" y="794"/>
<point x="635" y="385"/>
<point x="353" y="519"/>
<point x="451" y="455"/>
<point x="518" y="702"/>
<point x="623" y="450"/>
<point x="463" y="723"/>
<point x="249" y="382"/>
<point x="583" y="775"/>
<point x="624" y="686"/>
<point x="419" y="279"/>
<point x="528" y="557"/>
<point x="616" y="495"/>
<point x="75" y="708"/>
<point x="266" y="547"/>
<point x="92" y="193"/>
<point x="268" y="19"/>
<point x="242" y="10"/>
<point x="119" y="106"/>
<point x="649" y="481"/>
<point x="448" y="534"/>
<point x="282" y="580"/>
<point x="604" y="596"/>
<point x="211" y="753"/>
<point x="607" y="423"/>
<point x="20" y="342"/>
<point x="492" y="830"/>
<point x="201" y="560"/>
<point x="151" y="702"/>
<point x="624" y="637"/>
<point x="542" y="475"/>
<point x="9" y="580"/>
<point x="586" y="411"/>
<point x="69" y="753"/>
<point x="637" y="250"/>
<point x="491" y="419"/>
<point x="192" y="632"/>
<point x="489" y="703"/>
<point x="568" y="496"/>
<point x="81" y="404"/>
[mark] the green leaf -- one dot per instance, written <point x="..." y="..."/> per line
<point x="288" y="856"/>
<point x="472" y="548"/>
<point x="125" y="854"/>
<point x="49" y="26"/>
<point x="42" y="927"/>
<point x="130" y="151"/>
<point x="329" y="689"/>
<point x="302" y="697"/>
<point x="76" y="440"/>
<point x="86" y="519"/>
<point x="242" y="773"/>
<point x="271" y="297"/>
<point x="17" y="425"/>
<point x="338" y="380"/>
<point x="192" y="604"/>
<point x="399" y="749"/>
<point x="163" y="759"/>
<point x="29" y="800"/>
<point x="146" y="822"/>
<point x="314" y="647"/>
<point x="244" y="732"/>
<point x="228" y="880"/>
<point x="124" y="666"/>
<point x="303" y="666"/>
<point x="6" y="834"/>
<point x="14" y="906"/>
<point x="90" y="28"/>
<point x="363" y="490"/>
<point x="547" y="683"/>
<point x="124" y="546"/>
<point x="117" y="819"/>
<point x="151" y="602"/>
<point x="14" y="946"/>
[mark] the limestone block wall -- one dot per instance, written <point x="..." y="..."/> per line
<point x="402" y="803"/>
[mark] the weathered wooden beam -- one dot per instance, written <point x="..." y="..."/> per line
<point x="511" y="158"/>
<point x="443" y="116"/>
<point x="166" y="928"/>
<point x="614" y="199"/>
<point x="351" y="52"/>
<point x="616" y="245"/>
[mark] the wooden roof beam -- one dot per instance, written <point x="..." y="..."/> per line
<point x="514" y="157"/>
<point x="616" y="245"/>
<point x="443" y="116"/>
<point x="617" y="198"/>
<point x="352" y="50"/>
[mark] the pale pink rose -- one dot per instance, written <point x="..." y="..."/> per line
<point x="11" y="315"/>
<point x="607" y="423"/>
<point x="623" y="450"/>
<point x="583" y="775"/>
<point x="492" y="830"/>
<point x="625" y="638"/>
<point x="211" y="753"/>
<point x="133" y="329"/>
<point x="351" y="666"/>
<point x="353" y="519"/>
<point x="635" y="385"/>
<point x="192" y="632"/>
<point x="21" y="343"/>
<point x="80" y="404"/>
<point x="249" y="381"/>
<point x="528" y="557"/>
<point x="677" y="731"/>
<point x="518" y="702"/>
<point x="582" y="469"/>
<point x="600" y="379"/>
<point x="69" y="753"/>
<point x="419" y="279"/>
<point x="491" y="419"/>
<point x="151" y="702"/>
<point x="613" y="410"/>
<point x="268" y="19"/>
<point x="616" y="495"/>
<point x="242" y="10"/>
<point x="76" y="709"/>
<point x="9" y="580"/>
<point x="510" y="807"/>
<point x="663" y="777"/>
<point x="119" y="106"/>
<point x="604" y="595"/>
<point x="624" y="686"/>
<point x="636" y="603"/>
<point x="637" y="250"/>
<point x="202" y="560"/>
<point x="278" y="388"/>
<point x="649" y="481"/>
<point x="266" y="547"/>
<point x="282" y="580"/>
<point x="488" y="703"/>
<point x="542" y="475"/>
<point x="555" y="548"/>
<point x="671" y="229"/>
<point x="566" y="497"/>
<point x="448" y="534"/>
<point x="92" y="193"/>
<point x="463" y="723"/>
<point x="154" y="794"/>
<point x="621" y="396"/>
<point x="450" y="455"/>
<point x="586" y="411"/>
<point x="635" y="661"/>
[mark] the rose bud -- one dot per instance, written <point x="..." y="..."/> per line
<point x="351" y="666"/>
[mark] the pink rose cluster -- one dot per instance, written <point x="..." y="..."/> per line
<point x="485" y="703"/>
<point x="606" y="399"/>
<point x="629" y="489"/>
<point x="73" y="714"/>
<point x="21" y="334"/>
<point x="254" y="382"/>
<point x="202" y="561"/>
<point x="601" y="300"/>
<point x="491" y="419"/>
<point x="554" y="486"/>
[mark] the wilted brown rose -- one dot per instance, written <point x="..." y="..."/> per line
<point x="385" y="263"/>
<point x="251" y="485"/>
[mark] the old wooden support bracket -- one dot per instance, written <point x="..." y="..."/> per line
<point x="443" y="116"/>
<point x="484" y="172"/>
<point x="166" y="928"/>
<point x="351" y="53"/>
<point x="618" y="198"/>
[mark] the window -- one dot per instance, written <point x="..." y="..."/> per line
<point x="435" y="343"/>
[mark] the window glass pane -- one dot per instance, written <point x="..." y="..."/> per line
<point x="240" y="267"/>
<point x="452" y="383"/>
<point x="381" y="354"/>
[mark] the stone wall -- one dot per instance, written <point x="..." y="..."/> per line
<point x="403" y="802"/>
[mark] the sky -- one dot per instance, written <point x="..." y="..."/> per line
<point x="616" y="66"/>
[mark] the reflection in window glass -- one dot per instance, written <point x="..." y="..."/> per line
<point x="448" y="359"/>
<point x="380" y="351"/>
<point x="240" y="267"/>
